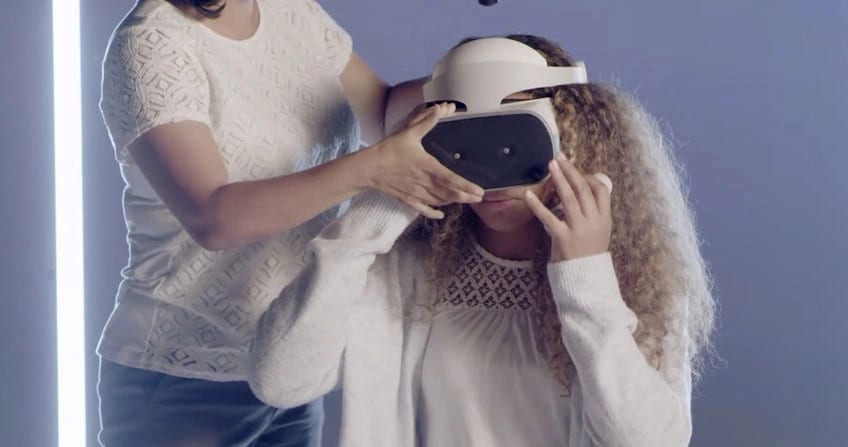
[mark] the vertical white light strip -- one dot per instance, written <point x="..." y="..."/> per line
<point x="67" y="149"/>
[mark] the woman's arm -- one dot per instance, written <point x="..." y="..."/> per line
<point x="182" y="163"/>
<point x="378" y="106"/>
<point x="625" y="401"/>
<point x="299" y="346"/>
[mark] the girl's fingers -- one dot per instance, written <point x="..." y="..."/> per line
<point x="601" y="188"/>
<point x="581" y="189"/>
<point x="548" y="219"/>
<point x="603" y="178"/>
<point x="570" y="204"/>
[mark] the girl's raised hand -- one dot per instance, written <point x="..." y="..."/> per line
<point x="585" y="227"/>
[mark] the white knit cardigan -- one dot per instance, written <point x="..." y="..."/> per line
<point x="356" y="317"/>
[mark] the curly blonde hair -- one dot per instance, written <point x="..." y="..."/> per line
<point x="654" y="246"/>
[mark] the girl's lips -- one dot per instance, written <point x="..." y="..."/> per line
<point x="497" y="202"/>
<point x="497" y="198"/>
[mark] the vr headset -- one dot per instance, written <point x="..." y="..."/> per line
<point x="493" y="143"/>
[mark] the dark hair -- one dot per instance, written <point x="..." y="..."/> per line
<point x="207" y="8"/>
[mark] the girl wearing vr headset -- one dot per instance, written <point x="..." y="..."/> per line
<point x="559" y="313"/>
<point x="236" y="125"/>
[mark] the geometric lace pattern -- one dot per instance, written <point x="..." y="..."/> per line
<point x="485" y="282"/>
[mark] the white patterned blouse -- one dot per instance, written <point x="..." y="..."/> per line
<point x="275" y="106"/>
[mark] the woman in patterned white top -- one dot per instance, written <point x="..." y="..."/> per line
<point x="235" y="127"/>
<point x="505" y="324"/>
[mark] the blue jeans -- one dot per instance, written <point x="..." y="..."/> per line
<point x="140" y="408"/>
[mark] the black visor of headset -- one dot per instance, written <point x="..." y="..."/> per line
<point x="492" y="142"/>
<point x="495" y="151"/>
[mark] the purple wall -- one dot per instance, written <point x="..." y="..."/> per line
<point x="753" y="92"/>
<point x="27" y="304"/>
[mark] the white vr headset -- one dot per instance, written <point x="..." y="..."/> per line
<point x="492" y="143"/>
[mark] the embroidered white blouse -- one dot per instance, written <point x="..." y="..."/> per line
<point x="484" y="380"/>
